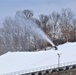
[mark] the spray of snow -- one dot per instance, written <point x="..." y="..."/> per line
<point x="31" y="26"/>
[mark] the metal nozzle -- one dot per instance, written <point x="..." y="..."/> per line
<point x="55" y="48"/>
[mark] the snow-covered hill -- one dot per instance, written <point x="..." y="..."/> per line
<point x="25" y="62"/>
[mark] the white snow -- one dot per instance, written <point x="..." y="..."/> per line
<point x="25" y="62"/>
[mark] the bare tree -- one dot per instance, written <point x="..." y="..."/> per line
<point x="54" y="18"/>
<point x="28" y="13"/>
<point x="66" y="19"/>
<point x="73" y="30"/>
<point x="44" y="19"/>
<point x="7" y="33"/>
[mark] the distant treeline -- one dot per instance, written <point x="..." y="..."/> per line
<point x="59" y="26"/>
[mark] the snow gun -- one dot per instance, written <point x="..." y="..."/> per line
<point x="55" y="47"/>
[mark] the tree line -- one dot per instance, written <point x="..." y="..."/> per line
<point x="16" y="34"/>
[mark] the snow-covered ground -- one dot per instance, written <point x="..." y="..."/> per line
<point x="25" y="62"/>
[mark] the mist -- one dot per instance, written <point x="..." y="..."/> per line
<point x="32" y="27"/>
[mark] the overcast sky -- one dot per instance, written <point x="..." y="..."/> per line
<point x="9" y="7"/>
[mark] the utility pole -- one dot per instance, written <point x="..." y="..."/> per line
<point x="58" y="61"/>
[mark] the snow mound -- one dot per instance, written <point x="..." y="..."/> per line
<point x="25" y="62"/>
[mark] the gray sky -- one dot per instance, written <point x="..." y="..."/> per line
<point x="9" y="7"/>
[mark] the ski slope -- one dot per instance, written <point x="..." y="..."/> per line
<point x="16" y="63"/>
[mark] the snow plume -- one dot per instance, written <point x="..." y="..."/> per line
<point x="31" y="26"/>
